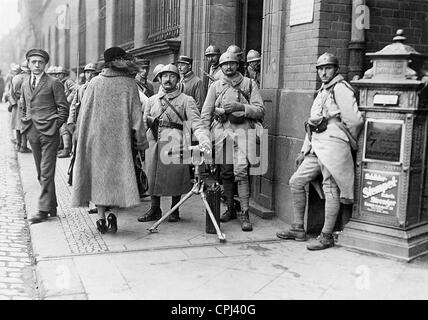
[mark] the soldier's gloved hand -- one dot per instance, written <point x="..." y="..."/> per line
<point x="233" y="107"/>
<point x="300" y="159"/>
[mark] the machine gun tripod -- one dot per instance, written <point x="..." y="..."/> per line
<point x="199" y="188"/>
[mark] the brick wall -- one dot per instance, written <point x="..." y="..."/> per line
<point x="388" y="16"/>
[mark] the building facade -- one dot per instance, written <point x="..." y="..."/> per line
<point x="290" y="34"/>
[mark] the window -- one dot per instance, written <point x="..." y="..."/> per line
<point x="102" y="27"/>
<point x="124" y="15"/>
<point x="82" y="33"/>
<point x="164" y="20"/>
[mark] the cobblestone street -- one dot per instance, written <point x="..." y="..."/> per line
<point x="17" y="280"/>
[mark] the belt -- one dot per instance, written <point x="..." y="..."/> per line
<point x="172" y="125"/>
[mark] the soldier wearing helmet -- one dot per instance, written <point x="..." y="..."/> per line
<point x="332" y="131"/>
<point x="213" y="56"/>
<point x="190" y="83"/>
<point x="253" y="68"/>
<point x="90" y="71"/>
<point x="232" y="106"/>
<point x="170" y="115"/>
<point x="240" y="54"/>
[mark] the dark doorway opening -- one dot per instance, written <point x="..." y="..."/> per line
<point x="252" y="25"/>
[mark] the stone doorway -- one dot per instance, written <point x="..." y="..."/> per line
<point x="251" y="18"/>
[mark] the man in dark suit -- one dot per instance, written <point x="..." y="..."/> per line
<point x="45" y="109"/>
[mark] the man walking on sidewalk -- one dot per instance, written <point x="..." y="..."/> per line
<point x="332" y="128"/>
<point x="45" y="109"/>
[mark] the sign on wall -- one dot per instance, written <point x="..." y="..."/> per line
<point x="380" y="192"/>
<point x="301" y="11"/>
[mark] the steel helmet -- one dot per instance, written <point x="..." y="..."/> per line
<point x="253" y="55"/>
<point x="228" y="57"/>
<point x="51" y="70"/>
<point x="169" y="68"/>
<point x="212" y="51"/>
<point x="90" y="67"/>
<point x="156" y="71"/>
<point x="61" y="70"/>
<point x="24" y="66"/>
<point x="327" y="59"/>
<point x="234" y="49"/>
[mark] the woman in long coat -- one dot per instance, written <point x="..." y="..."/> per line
<point x="110" y="123"/>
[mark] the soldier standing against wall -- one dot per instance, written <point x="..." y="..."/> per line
<point x="213" y="56"/>
<point x="332" y="128"/>
<point x="254" y="65"/>
<point x="232" y="104"/>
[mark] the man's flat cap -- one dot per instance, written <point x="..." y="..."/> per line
<point x="38" y="52"/>
<point x="185" y="59"/>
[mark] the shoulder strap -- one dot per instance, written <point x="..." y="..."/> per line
<point x="168" y="104"/>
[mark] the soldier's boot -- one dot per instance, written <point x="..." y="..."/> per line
<point x="66" y="152"/>
<point x="324" y="241"/>
<point x="154" y="214"/>
<point x="246" y="225"/>
<point x="230" y="213"/>
<point x="296" y="232"/>
<point x="175" y="216"/>
<point x="244" y="197"/>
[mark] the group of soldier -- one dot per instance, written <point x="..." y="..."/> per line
<point x="95" y="119"/>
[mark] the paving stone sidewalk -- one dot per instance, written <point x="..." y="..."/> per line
<point x="17" y="276"/>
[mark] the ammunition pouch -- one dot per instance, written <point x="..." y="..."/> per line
<point x="321" y="127"/>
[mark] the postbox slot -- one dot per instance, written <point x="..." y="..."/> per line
<point x="386" y="99"/>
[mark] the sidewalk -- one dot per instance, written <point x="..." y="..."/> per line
<point x="181" y="262"/>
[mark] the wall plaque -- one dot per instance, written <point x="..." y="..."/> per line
<point x="380" y="192"/>
<point x="386" y="99"/>
<point x="301" y="11"/>
<point x="383" y="140"/>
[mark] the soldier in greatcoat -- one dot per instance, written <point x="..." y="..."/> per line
<point x="170" y="114"/>
<point x="332" y="130"/>
<point x="190" y="83"/>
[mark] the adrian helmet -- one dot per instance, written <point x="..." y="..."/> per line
<point x="61" y="69"/>
<point x="236" y="50"/>
<point x="253" y="55"/>
<point x="156" y="71"/>
<point x="90" y="67"/>
<point x="212" y="51"/>
<point x="228" y="57"/>
<point x="327" y="59"/>
<point x="169" y="68"/>
<point x="51" y="70"/>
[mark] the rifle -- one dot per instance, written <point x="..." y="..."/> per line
<point x="208" y="75"/>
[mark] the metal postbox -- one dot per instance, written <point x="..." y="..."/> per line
<point x="390" y="213"/>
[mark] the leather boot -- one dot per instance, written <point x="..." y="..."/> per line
<point x="296" y="232"/>
<point x="66" y="152"/>
<point x="154" y="214"/>
<point x="174" y="217"/>
<point x="246" y="225"/>
<point x="324" y="241"/>
<point x="229" y="214"/>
